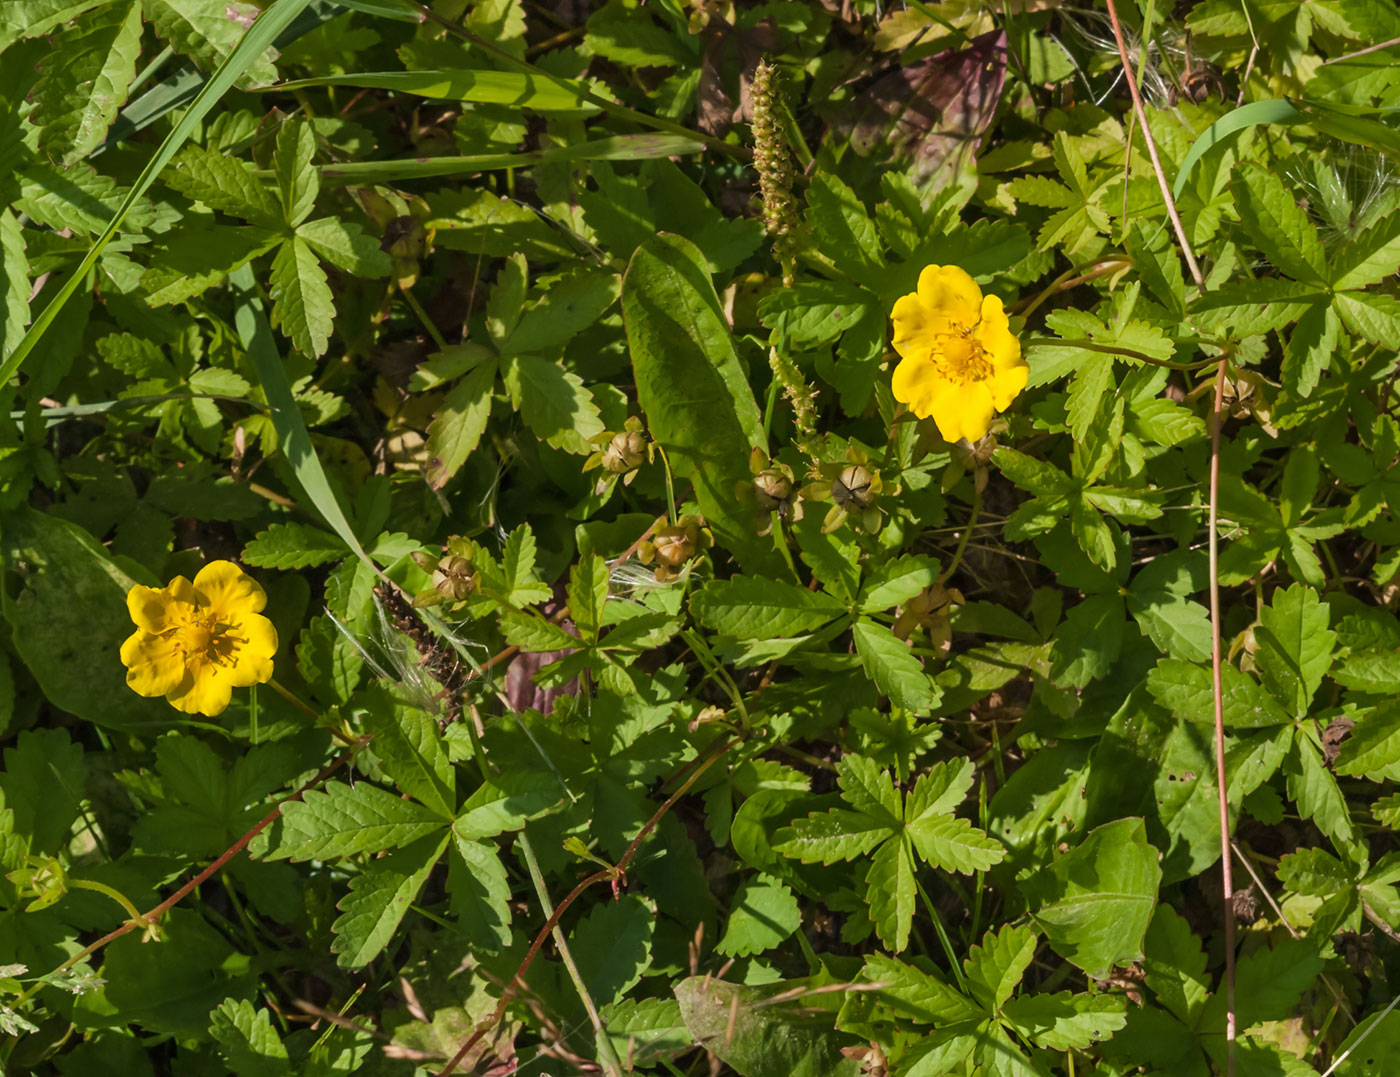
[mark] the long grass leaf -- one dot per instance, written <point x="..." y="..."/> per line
<point x="1275" y="110"/>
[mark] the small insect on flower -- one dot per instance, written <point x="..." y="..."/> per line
<point x="196" y="642"/>
<point x="959" y="362"/>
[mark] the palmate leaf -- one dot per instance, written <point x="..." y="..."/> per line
<point x="83" y="83"/>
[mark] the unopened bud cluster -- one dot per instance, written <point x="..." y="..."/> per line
<point x="454" y="576"/>
<point x="773" y="160"/>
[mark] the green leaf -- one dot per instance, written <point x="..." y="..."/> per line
<point x="1279" y="226"/>
<point x="344" y="820"/>
<point x="566" y="310"/>
<point x="248" y="1044"/>
<point x="897" y="581"/>
<point x="293" y="545"/>
<point x="612" y="946"/>
<point x="1371" y="315"/>
<point x="1373" y="748"/>
<point x="953" y="844"/>
<point x="42" y="789"/>
<point x="1370" y="257"/>
<point x="70" y="606"/>
<point x="916" y="995"/>
<point x="1032" y="475"/>
<point x="554" y="402"/>
<point x="302" y="306"/>
<point x="1314" y="871"/>
<point x="409" y="748"/>
<point x="460" y="421"/>
<point x="588" y="592"/>
<point x="33" y="18"/>
<point x="14" y="283"/>
<point x="208" y="30"/>
<point x="894" y="668"/>
<point x="697" y="402"/>
<point x="1314" y="789"/>
<point x="756" y="607"/>
<point x="890" y="893"/>
<point x="995" y="966"/>
<point x="518" y="568"/>
<point x="1187" y="690"/>
<point x="841" y="227"/>
<point x="764" y="1040"/>
<point x="84" y="82"/>
<point x="1310" y="348"/>
<point x="1274" y="110"/>
<point x="344" y="244"/>
<point x="868" y="789"/>
<point x="762" y="914"/>
<point x="506" y="804"/>
<point x="831" y="836"/>
<point x="1295" y="646"/>
<point x="224" y="183"/>
<point x="532" y="90"/>
<point x="296" y="179"/>
<point x="378" y="900"/>
<point x="1062" y="1021"/>
<point x="479" y="891"/>
<point x="1094" y="903"/>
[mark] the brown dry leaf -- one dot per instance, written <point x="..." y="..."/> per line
<point x="931" y="114"/>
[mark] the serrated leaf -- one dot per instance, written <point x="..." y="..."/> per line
<point x="554" y="402"/>
<point x="612" y="946"/>
<point x="1032" y="475"/>
<point x="894" y="668"/>
<point x="344" y="820"/>
<point x="995" y="966"/>
<point x="566" y="310"/>
<point x="588" y="592"/>
<point x="76" y="197"/>
<point x="1371" y="315"/>
<point x="1187" y="690"/>
<point x="534" y="633"/>
<point x="756" y="607"/>
<point x="1310" y="348"/>
<point x="1314" y="789"/>
<point x="762" y="914"/>
<point x="296" y="179"/>
<point x="302" y="306"/>
<point x="378" y="900"/>
<point x="1063" y="1021"/>
<point x="248" y="1043"/>
<point x="890" y="893"/>
<point x="518" y="568"/>
<point x="1370" y="257"/>
<point x="293" y="545"/>
<point x="1094" y="903"/>
<point x="1279" y="226"/>
<point x="868" y="789"/>
<point x="14" y="283"/>
<point x="897" y="581"/>
<point x="479" y="891"/>
<point x="410" y="751"/>
<point x="831" y="836"/>
<point x="917" y="995"/>
<point x="84" y="83"/>
<point x="841" y="227"/>
<point x="207" y="31"/>
<point x="1373" y="748"/>
<point x="224" y="183"/>
<point x="1295" y="646"/>
<point x="1313" y="871"/>
<point x="345" y="244"/>
<point x="460" y="421"/>
<point x="507" y="803"/>
<point x="193" y="259"/>
<point x="953" y="844"/>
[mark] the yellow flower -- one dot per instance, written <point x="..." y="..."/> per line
<point x="959" y="362"/>
<point x="196" y="642"/>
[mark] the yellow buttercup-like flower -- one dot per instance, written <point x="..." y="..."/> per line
<point x="196" y="642"/>
<point x="959" y="363"/>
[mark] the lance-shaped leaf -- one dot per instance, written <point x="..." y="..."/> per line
<point x="344" y="820"/>
<point x="756" y="607"/>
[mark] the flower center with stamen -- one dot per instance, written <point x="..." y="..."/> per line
<point x="961" y="359"/>
<point x="209" y="640"/>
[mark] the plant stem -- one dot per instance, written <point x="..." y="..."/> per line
<point x="611" y="1063"/>
<point x="943" y="939"/>
<point x="947" y="573"/>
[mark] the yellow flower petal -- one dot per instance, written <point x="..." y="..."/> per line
<point x="226" y="589"/>
<point x="916" y="382"/>
<point x="206" y="689"/>
<point x="964" y="411"/>
<point x="156" y="610"/>
<point x="950" y="292"/>
<point x="1007" y="384"/>
<point x="252" y="655"/>
<point x="994" y="333"/>
<point x="918" y="329"/>
<point x="155" y="664"/>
